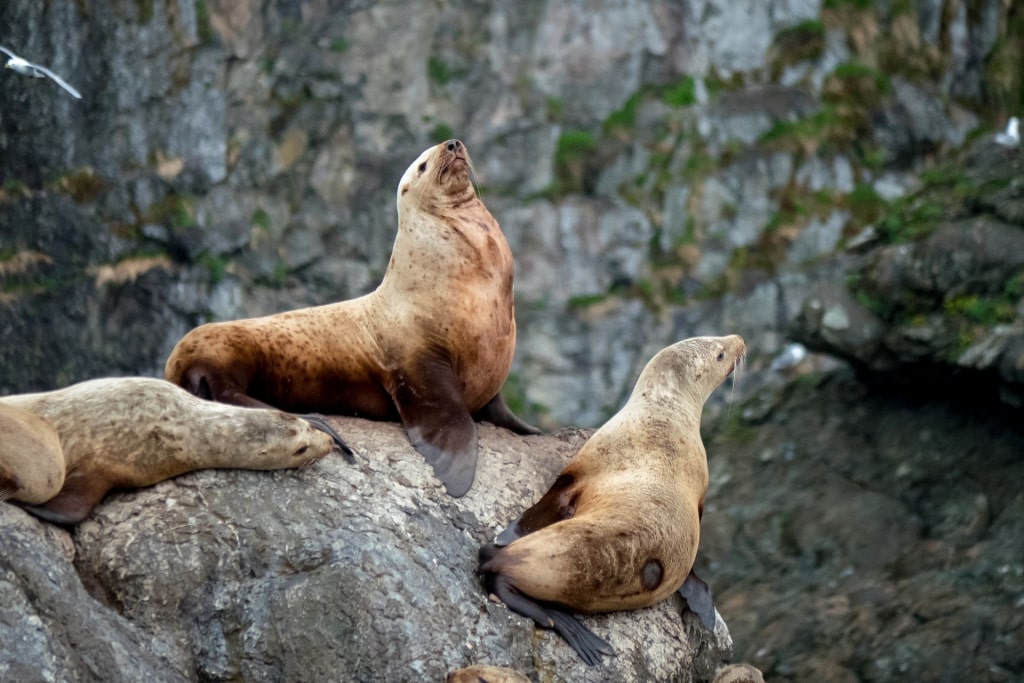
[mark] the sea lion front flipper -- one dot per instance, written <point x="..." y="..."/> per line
<point x="586" y="643"/>
<point x="697" y="595"/>
<point x="500" y="415"/>
<point x="429" y="402"/>
<point x="75" y="501"/>
<point x="580" y="638"/>
<point x="557" y="504"/>
<point x="321" y="423"/>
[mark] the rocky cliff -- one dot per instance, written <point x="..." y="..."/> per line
<point x="820" y="171"/>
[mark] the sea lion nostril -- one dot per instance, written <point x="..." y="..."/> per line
<point x="453" y="145"/>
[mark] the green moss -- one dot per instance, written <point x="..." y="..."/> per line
<point x="861" y="81"/>
<point x="985" y="311"/>
<point x="261" y="219"/>
<point x="145" y="8"/>
<point x="574" y="145"/>
<point x="800" y="43"/>
<point x="438" y="71"/>
<point x="553" y="109"/>
<point x="442" y="132"/>
<point x="339" y="45"/>
<point x="861" y="5"/>
<point x="586" y="300"/>
<point x="681" y="94"/>
<point x="173" y="211"/>
<point x="624" y="118"/>
<point x="216" y="266"/>
<point x="203" y="26"/>
<point x="865" y="204"/>
<point x="83" y="185"/>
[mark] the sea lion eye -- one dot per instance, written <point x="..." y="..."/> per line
<point x="423" y="167"/>
<point x="302" y="450"/>
<point x="721" y="355"/>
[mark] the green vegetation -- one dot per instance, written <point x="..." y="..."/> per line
<point x="203" y="26"/>
<point x="216" y="265"/>
<point x="145" y="8"/>
<point x="339" y="44"/>
<point x="441" y="132"/>
<point x="986" y="311"/>
<point x="861" y="5"/>
<point x="438" y="71"/>
<point x="625" y="117"/>
<point x="174" y="211"/>
<point x="800" y="43"/>
<point x="682" y="94"/>
<point x="553" y="108"/>
<point x="586" y="300"/>
<point x="261" y="219"/>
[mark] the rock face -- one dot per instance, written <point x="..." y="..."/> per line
<point x="854" y="535"/>
<point x="358" y="572"/>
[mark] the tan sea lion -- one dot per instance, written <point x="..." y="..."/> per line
<point x="619" y="527"/>
<point x="739" y="673"/>
<point x="481" y="673"/>
<point x="128" y="432"/>
<point x="31" y="460"/>
<point x="432" y="345"/>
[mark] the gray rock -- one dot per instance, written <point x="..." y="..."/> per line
<point x="353" y="572"/>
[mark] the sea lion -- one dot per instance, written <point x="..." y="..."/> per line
<point x="481" y="673"/>
<point x="619" y="527"/>
<point x="739" y="673"/>
<point x="129" y="432"/>
<point x="431" y="346"/>
<point x="31" y="460"/>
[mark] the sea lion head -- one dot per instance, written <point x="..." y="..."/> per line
<point x="438" y="179"/>
<point x="287" y="441"/>
<point x="697" y="365"/>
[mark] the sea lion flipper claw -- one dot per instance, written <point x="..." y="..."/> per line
<point x="697" y="595"/>
<point x="321" y="423"/>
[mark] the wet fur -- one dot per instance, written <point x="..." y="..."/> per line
<point x="619" y="528"/>
<point x="431" y="346"/>
<point x="131" y="432"/>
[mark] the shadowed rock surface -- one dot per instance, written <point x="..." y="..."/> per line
<point x="339" y="572"/>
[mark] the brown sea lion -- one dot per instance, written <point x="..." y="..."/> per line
<point x="128" y="432"/>
<point x="432" y="345"/>
<point x="619" y="527"/>
<point x="481" y="673"/>
<point x="31" y="460"/>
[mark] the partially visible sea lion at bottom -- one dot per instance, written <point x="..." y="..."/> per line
<point x="129" y="432"/>
<point x="620" y="526"/>
<point x="481" y="673"/>
<point x="739" y="673"/>
<point x="31" y="459"/>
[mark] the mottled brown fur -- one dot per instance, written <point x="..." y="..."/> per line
<point x="432" y="345"/>
<point x="480" y="673"/>
<point x="130" y="432"/>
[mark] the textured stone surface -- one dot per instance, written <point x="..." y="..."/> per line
<point x="340" y="572"/>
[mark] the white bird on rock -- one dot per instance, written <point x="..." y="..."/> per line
<point x="1011" y="136"/>
<point x="27" y="68"/>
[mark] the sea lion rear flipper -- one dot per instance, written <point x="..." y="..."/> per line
<point x="697" y="595"/>
<point x="500" y="415"/>
<point x="320" y="423"/>
<point x="75" y="501"/>
<point x="430" y="404"/>
<point x="557" y="504"/>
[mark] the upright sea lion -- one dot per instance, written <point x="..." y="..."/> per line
<point x="619" y="527"/>
<point x="739" y="673"/>
<point x="31" y="460"/>
<point x="129" y="432"/>
<point x="431" y="346"/>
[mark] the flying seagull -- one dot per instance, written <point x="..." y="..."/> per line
<point x="27" y="68"/>
<point x="1011" y="136"/>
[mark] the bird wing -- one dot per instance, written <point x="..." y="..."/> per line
<point x="60" y="81"/>
<point x="7" y="52"/>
